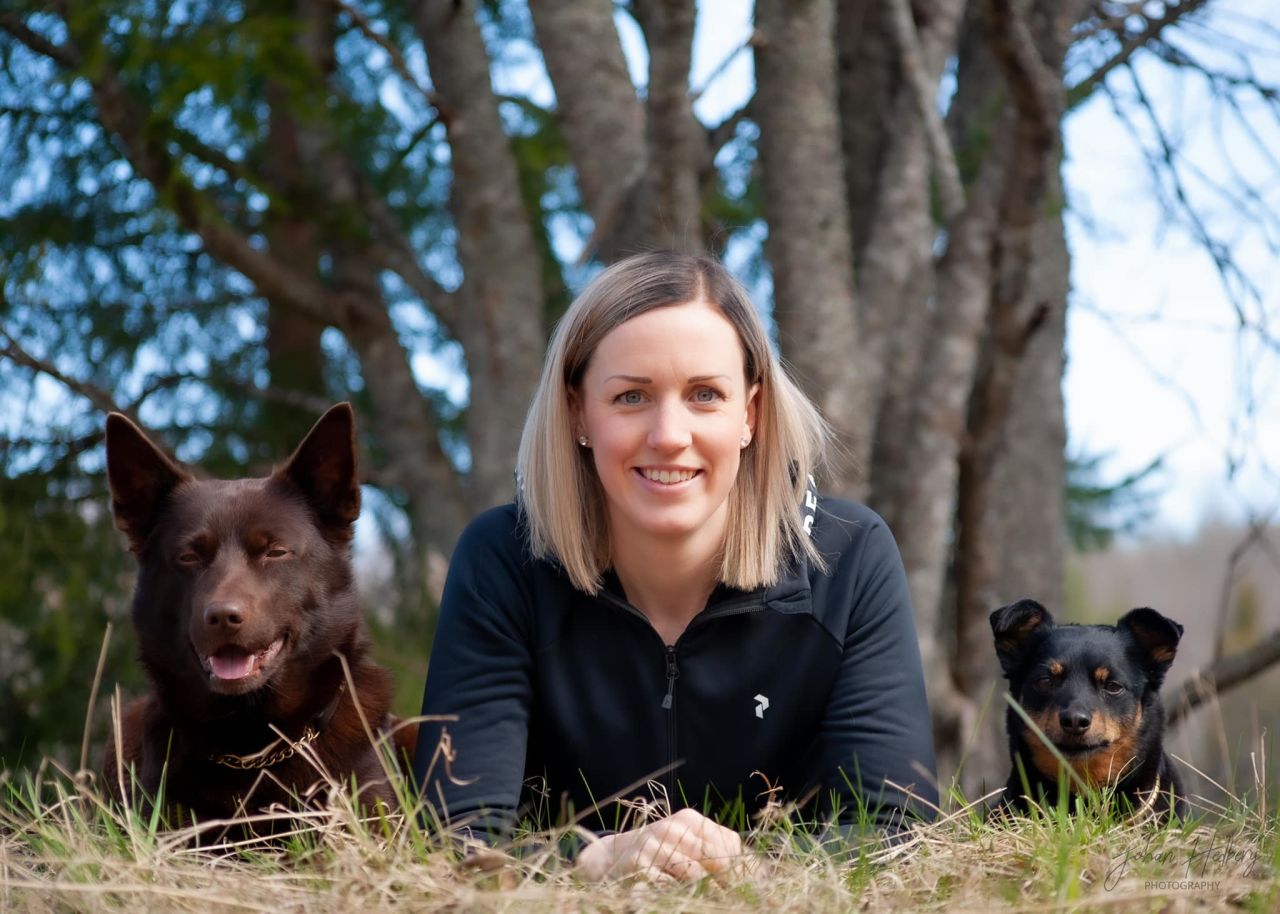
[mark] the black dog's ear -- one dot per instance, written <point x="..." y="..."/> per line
<point x="324" y="467"/>
<point x="1012" y="625"/>
<point x="140" y="477"/>
<point x="1157" y="639"/>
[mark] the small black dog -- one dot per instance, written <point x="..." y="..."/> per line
<point x="1094" y="692"/>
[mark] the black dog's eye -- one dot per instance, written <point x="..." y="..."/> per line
<point x="1043" y="684"/>
<point x="1111" y="687"/>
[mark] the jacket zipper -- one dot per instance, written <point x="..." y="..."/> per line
<point x="730" y="608"/>
<point x="668" y="703"/>
<point x="673" y="673"/>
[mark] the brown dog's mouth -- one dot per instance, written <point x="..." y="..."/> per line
<point x="235" y="664"/>
<point x="1072" y="748"/>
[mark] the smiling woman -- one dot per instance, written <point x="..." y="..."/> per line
<point x="669" y="612"/>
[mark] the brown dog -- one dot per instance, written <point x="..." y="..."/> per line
<point x="245" y="604"/>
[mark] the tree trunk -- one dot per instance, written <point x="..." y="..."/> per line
<point x="602" y="119"/>
<point x="499" y="321"/>
<point x="809" y="244"/>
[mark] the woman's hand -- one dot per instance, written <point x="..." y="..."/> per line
<point x="685" y="846"/>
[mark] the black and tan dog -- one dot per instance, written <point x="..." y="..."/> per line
<point x="1094" y="692"/>
<point x="245" y="608"/>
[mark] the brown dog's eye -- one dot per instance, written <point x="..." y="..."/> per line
<point x="276" y="553"/>
<point x="1111" y="687"/>
<point x="188" y="558"/>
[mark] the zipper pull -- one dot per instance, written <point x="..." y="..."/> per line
<point x="672" y="674"/>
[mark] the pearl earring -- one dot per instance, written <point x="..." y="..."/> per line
<point x="746" y="439"/>
<point x="582" y="440"/>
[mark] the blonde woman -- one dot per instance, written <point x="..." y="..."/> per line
<point x="669" y="612"/>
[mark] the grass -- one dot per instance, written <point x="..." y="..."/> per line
<point x="64" y="848"/>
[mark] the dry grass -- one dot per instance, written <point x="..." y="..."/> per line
<point x="62" y="848"/>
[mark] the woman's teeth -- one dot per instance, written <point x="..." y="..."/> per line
<point x="668" y="477"/>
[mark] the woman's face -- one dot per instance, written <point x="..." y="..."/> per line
<point x="665" y="407"/>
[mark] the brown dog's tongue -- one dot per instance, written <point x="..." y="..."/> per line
<point x="231" y="663"/>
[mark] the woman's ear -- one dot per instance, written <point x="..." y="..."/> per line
<point x="753" y="400"/>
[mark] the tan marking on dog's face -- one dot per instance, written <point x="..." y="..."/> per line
<point x="1107" y="766"/>
<point x="1102" y="767"/>
<point x="1041" y="756"/>
<point x="1101" y="675"/>
<point x="1056" y="668"/>
<point x="1163" y="654"/>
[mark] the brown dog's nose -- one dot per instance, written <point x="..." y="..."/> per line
<point x="224" y="615"/>
<point x="1074" y="721"/>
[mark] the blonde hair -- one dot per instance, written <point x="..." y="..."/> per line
<point x="561" y="496"/>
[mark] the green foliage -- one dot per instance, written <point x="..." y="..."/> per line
<point x="1098" y="511"/>
<point x="66" y="576"/>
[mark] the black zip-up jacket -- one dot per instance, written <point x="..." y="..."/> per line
<point x="556" y="701"/>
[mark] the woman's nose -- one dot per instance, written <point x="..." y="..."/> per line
<point x="670" y="428"/>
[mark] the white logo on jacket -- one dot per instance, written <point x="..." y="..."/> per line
<point x="762" y="705"/>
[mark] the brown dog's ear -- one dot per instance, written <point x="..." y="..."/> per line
<point x="324" y="467"/>
<point x="140" y="477"/>
<point x="1012" y="626"/>
<point x="1156" y="637"/>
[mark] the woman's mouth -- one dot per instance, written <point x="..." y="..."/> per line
<point x="667" y="477"/>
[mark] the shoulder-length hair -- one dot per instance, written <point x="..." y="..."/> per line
<point x="561" y="495"/>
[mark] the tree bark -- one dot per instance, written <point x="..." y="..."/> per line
<point x="809" y="244"/>
<point x="602" y="119"/>
<point x="677" y="144"/>
<point x="500" y="322"/>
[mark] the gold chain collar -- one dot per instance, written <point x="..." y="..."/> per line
<point x="265" y="758"/>
<point x="269" y="755"/>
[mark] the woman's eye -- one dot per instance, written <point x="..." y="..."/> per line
<point x="707" y="395"/>
<point x="630" y="398"/>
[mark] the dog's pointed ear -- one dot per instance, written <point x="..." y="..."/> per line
<point x="140" y="477"/>
<point x="1013" y="626"/>
<point x="324" y="467"/>
<point x="1156" y="638"/>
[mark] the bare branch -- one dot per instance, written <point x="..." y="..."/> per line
<point x="1221" y="676"/>
<point x="102" y="399"/>
<point x="398" y="62"/>
<point x="395" y="253"/>
<point x="1166" y="163"/>
<point x="1130" y="45"/>
<point x="911" y="56"/>
<point x="62" y="54"/>
<point x="272" y="277"/>
<point x="1256" y="533"/>
<point x="723" y="132"/>
<point x="720" y="68"/>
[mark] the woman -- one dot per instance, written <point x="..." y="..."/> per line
<point x="669" y="611"/>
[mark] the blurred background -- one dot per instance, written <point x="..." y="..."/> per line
<point x="1021" y="252"/>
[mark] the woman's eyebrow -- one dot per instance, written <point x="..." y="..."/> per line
<point x="637" y="379"/>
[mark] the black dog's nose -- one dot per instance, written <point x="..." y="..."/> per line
<point x="1075" y="722"/>
<point x="225" y="615"/>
